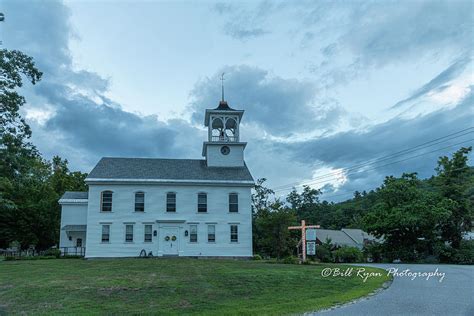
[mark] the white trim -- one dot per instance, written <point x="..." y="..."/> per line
<point x="89" y="180"/>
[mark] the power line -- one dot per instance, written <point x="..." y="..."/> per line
<point x="373" y="168"/>
<point x="387" y="157"/>
<point x="351" y="193"/>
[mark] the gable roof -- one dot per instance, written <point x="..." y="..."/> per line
<point x="166" y="170"/>
<point x="337" y="237"/>
<point x="359" y="235"/>
<point x="75" y="195"/>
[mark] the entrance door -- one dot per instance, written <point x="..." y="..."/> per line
<point x="79" y="242"/>
<point x="169" y="241"/>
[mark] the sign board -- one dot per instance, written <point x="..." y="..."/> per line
<point x="310" y="234"/>
<point x="311" y="248"/>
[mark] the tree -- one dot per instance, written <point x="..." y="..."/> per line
<point x="453" y="184"/>
<point x="271" y="234"/>
<point x="29" y="185"/>
<point x="407" y="217"/>
<point x="14" y="131"/>
<point x="260" y="199"/>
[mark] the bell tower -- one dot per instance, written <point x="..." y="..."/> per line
<point x="223" y="147"/>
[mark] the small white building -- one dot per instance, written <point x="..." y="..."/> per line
<point x="167" y="207"/>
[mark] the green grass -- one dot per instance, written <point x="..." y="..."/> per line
<point x="172" y="286"/>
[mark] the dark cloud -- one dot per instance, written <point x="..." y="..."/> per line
<point x="84" y="124"/>
<point x="351" y="148"/>
<point x="279" y="106"/>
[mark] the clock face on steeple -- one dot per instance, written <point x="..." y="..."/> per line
<point x="225" y="150"/>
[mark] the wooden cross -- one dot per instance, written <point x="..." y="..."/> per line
<point x="303" y="228"/>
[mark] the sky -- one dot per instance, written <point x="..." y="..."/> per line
<point x="337" y="94"/>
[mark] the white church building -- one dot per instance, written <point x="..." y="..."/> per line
<point x="166" y="207"/>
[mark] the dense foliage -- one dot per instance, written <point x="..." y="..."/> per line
<point x="418" y="220"/>
<point x="30" y="186"/>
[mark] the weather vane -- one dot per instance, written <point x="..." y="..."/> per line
<point x="222" y="80"/>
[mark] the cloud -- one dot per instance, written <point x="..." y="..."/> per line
<point x="280" y="107"/>
<point x="68" y="109"/>
<point x="351" y="148"/>
<point x="439" y="82"/>
<point x="238" y="32"/>
<point x="244" y="21"/>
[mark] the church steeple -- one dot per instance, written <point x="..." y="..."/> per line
<point x="223" y="147"/>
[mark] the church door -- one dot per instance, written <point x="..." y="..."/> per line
<point x="169" y="241"/>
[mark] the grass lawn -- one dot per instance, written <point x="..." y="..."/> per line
<point x="172" y="286"/>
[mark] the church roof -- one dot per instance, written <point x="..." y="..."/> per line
<point x="166" y="170"/>
<point x="223" y="106"/>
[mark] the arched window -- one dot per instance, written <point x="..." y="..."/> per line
<point x="139" y="201"/>
<point x="106" y="201"/>
<point x="233" y="202"/>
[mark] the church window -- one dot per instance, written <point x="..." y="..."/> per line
<point x="202" y="202"/>
<point x="105" y="233"/>
<point x="193" y="235"/>
<point x="129" y="233"/>
<point x="139" y="202"/>
<point x="234" y="233"/>
<point x="171" y="202"/>
<point x="148" y="232"/>
<point x="106" y="201"/>
<point x="211" y="233"/>
<point x="233" y="202"/>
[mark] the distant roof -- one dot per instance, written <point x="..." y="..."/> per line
<point x="75" y="195"/>
<point x="166" y="169"/>
<point x="358" y="235"/>
<point x="337" y="237"/>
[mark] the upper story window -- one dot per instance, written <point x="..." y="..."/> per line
<point x="105" y="233"/>
<point x="129" y="233"/>
<point x="139" y="202"/>
<point x="193" y="234"/>
<point x="234" y="233"/>
<point x="171" y="202"/>
<point x="106" y="201"/>
<point x="233" y="202"/>
<point x="202" y="202"/>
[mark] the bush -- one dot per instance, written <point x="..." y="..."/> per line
<point x="323" y="253"/>
<point x="465" y="253"/>
<point x="348" y="254"/>
<point x="53" y="252"/>
<point x="373" y="252"/>
<point x="291" y="260"/>
<point x="257" y="257"/>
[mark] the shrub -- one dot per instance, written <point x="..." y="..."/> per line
<point x="291" y="260"/>
<point x="53" y="252"/>
<point x="257" y="257"/>
<point x="348" y="254"/>
<point x="323" y="253"/>
<point x="465" y="253"/>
